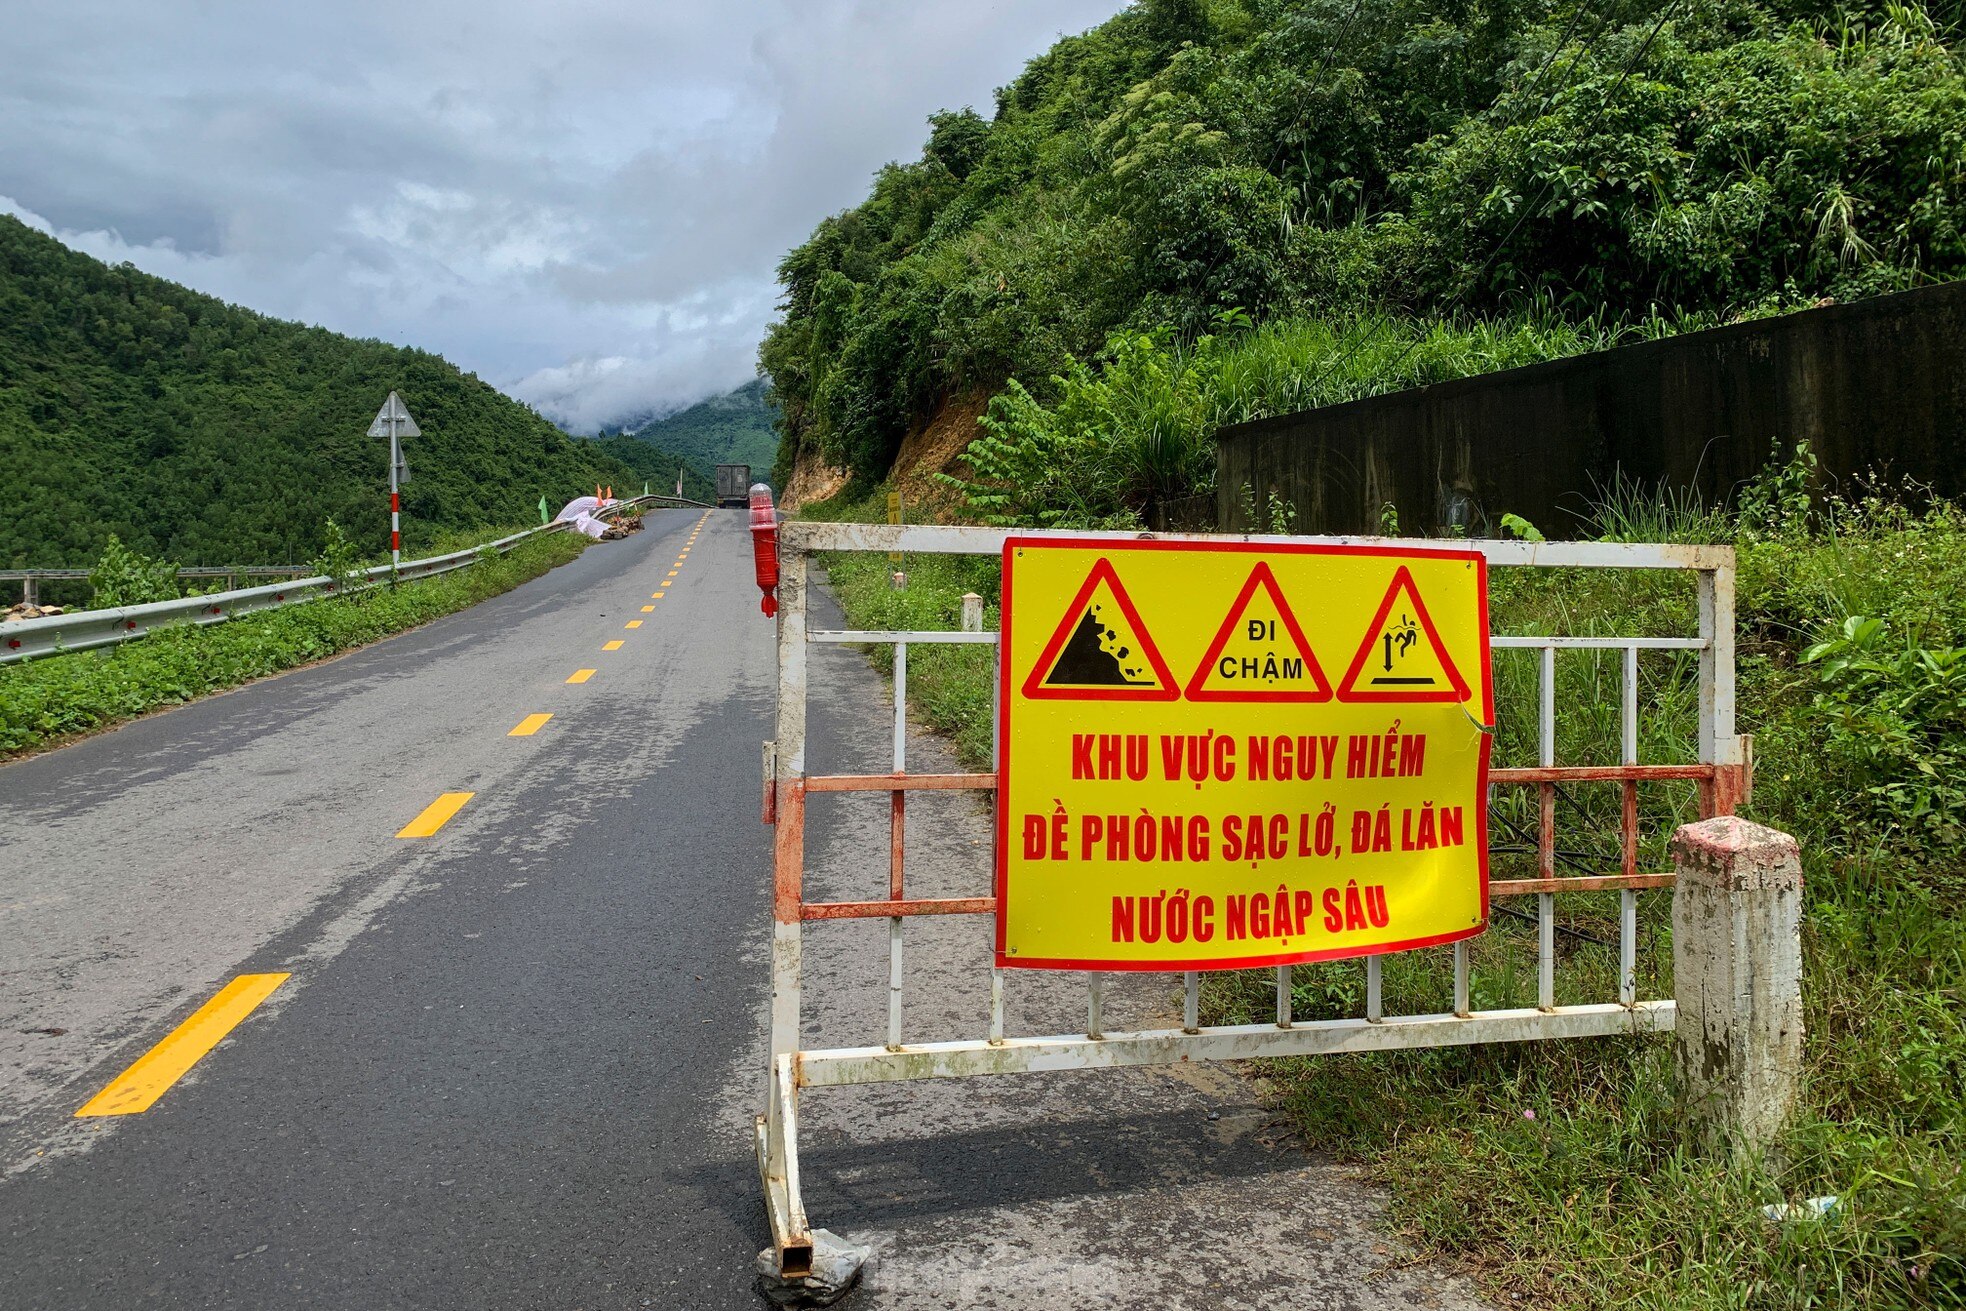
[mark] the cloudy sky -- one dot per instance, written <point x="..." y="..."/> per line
<point x="581" y="201"/>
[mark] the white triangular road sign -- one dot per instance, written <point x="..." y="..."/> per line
<point x="393" y="420"/>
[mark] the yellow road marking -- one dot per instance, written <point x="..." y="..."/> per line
<point x="581" y="675"/>
<point x="529" y="725"/>
<point x="435" y="815"/>
<point x="648" y="609"/>
<point x="672" y="574"/>
<point x="655" y="596"/>
<point x="634" y="623"/>
<point x="615" y="645"/>
<point x="138" y="1088"/>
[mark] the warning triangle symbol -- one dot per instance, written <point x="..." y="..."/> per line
<point x="1402" y="657"/>
<point x="1260" y="652"/>
<point x="1101" y="650"/>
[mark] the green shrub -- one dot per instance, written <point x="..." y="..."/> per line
<point x="125" y="577"/>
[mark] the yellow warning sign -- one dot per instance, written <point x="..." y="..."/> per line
<point x="1402" y="657"/>
<point x="1100" y="651"/>
<point x="1257" y="813"/>
<point x="1260" y="652"/>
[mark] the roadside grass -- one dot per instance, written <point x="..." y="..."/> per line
<point x="47" y="701"/>
<point x="1562" y="1171"/>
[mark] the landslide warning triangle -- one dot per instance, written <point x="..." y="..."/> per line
<point x="1260" y="652"/>
<point x="1101" y="650"/>
<point x="1402" y="657"/>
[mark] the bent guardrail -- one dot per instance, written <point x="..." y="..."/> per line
<point x="83" y="630"/>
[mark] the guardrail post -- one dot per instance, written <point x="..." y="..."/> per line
<point x="27" y="591"/>
<point x="1737" y="976"/>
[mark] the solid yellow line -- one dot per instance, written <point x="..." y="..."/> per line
<point x="615" y="645"/>
<point x="529" y="725"/>
<point x="435" y="815"/>
<point x="139" y="1087"/>
<point x="581" y="675"/>
<point x="634" y="623"/>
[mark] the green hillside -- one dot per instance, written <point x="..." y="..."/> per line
<point x="739" y="427"/>
<point x="207" y="433"/>
<point x="1227" y="208"/>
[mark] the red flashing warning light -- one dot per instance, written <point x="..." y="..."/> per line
<point x="764" y="546"/>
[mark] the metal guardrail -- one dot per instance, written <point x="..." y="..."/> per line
<point x="27" y="578"/>
<point x="83" y="630"/>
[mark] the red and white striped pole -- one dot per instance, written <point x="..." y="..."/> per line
<point x="395" y="510"/>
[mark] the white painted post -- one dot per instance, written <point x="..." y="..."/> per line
<point x="1737" y="976"/>
<point x="972" y="613"/>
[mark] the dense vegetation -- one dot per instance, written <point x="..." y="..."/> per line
<point x="1540" y="174"/>
<point x="45" y="701"/>
<point x="1211" y="210"/>
<point x="739" y="427"/>
<point x="209" y="434"/>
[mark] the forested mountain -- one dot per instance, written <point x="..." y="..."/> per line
<point x="1207" y="210"/>
<point x="739" y="427"/>
<point x="207" y="433"/>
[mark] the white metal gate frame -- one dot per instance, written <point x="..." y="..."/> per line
<point x="1722" y="774"/>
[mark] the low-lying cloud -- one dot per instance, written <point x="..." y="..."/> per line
<point x="583" y="203"/>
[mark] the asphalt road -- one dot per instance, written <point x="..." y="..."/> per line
<point x="515" y="1061"/>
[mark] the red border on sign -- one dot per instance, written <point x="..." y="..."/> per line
<point x="1005" y="748"/>
<point x="1034" y="688"/>
<point x="1348" y="691"/>
<point x="1260" y="575"/>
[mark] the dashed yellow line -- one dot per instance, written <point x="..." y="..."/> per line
<point x="435" y="815"/>
<point x="634" y="623"/>
<point x="615" y="645"/>
<point x="648" y="609"/>
<point x="138" y="1088"/>
<point x="529" y="725"/>
<point x="581" y="675"/>
<point x="655" y="596"/>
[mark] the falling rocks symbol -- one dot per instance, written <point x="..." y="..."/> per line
<point x="1101" y="650"/>
<point x="1096" y="657"/>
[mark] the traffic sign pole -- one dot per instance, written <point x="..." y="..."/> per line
<point x="394" y="422"/>
<point x="395" y="513"/>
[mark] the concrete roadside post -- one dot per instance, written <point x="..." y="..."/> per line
<point x="1737" y="973"/>
<point x="972" y="613"/>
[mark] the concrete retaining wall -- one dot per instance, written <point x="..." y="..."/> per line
<point x="1878" y="384"/>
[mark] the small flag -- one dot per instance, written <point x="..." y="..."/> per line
<point x="545" y="515"/>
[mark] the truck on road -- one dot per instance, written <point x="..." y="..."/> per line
<point x="733" y="484"/>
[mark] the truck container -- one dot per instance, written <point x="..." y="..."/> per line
<point x="733" y="484"/>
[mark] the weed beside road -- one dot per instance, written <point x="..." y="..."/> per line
<point x="46" y="701"/>
<point x="1561" y="1170"/>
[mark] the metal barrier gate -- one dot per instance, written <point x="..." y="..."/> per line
<point x="1721" y="774"/>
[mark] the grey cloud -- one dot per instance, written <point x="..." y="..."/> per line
<point x="581" y="202"/>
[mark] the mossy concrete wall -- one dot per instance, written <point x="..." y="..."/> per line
<point x="1875" y="385"/>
